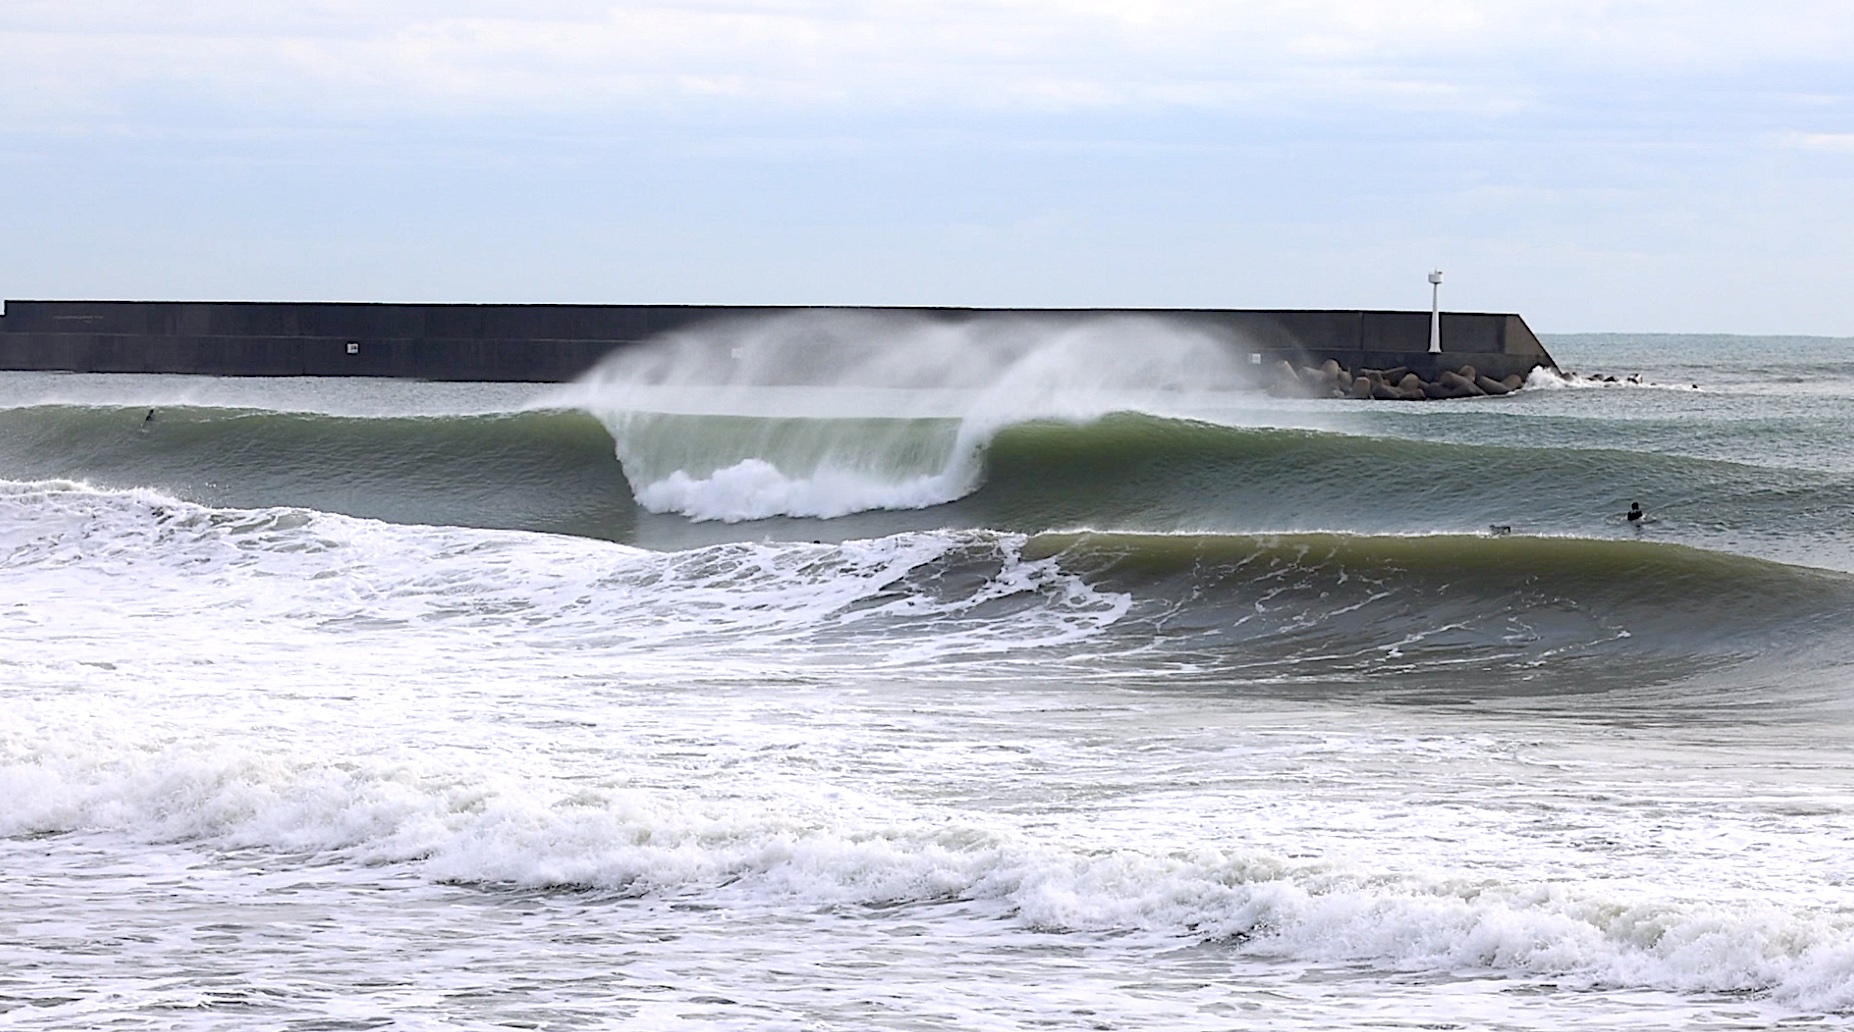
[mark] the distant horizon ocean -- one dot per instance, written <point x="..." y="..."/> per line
<point x="839" y="675"/>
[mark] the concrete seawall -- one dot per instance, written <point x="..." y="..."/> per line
<point x="557" y="343"/>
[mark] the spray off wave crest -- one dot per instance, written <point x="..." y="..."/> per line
<point x="826" y="414"/>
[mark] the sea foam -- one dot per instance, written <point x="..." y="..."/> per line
<point x="274" y="573"/>
<point x="758" y="850"/>
<point x="499" y="710"/>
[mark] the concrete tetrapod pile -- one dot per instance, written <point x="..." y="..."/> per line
<point x="1331" y="380"/>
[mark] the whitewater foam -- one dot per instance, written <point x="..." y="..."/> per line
<point x="826" y="414"/>
<point x="768" y="839"/>
<point x="285" y="572"/>
<point x="780" y="730"/>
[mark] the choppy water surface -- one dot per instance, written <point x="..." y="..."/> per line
<point x="1006" y="683"/>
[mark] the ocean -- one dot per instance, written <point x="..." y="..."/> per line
<point x="856" y="674"/>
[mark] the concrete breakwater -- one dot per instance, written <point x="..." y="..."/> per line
<point x="557" y="343"/>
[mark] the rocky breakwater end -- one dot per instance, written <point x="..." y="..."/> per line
<point x="1332" y="380"/>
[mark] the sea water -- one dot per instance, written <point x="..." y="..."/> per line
<point x="1003" y="684"/>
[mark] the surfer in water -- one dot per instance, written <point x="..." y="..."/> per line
<point x="1634" y="515"/>
<point x="149" y="418"/>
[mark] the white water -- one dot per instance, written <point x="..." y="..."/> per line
<point x="851" y="411"/>
<point x="268" y="768"/>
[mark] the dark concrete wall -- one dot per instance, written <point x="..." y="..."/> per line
<point x="549" y="343"/>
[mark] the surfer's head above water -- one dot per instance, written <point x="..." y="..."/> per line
<point x="1635" y="511"/>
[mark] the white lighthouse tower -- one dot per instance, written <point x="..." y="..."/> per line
<point x="1435" y="312"/>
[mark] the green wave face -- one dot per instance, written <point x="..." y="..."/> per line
<point x="543" y="471"/>
<point x="680" y="480"/>
<point x="1144" y="473"/>
<point x="1463" y="616"/>
<point x="1259" y="556"/>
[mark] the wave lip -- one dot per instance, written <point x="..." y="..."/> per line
<point x="888" y="413"/>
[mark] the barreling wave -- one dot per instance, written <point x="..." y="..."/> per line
<point x="734" y="468"/>
<point x="826" y="414"/>
<point x="554" y="470"/>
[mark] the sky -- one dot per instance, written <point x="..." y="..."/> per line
<point x="1595" y="166"/>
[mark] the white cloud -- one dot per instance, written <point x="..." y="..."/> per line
<point x="347" y="58"/>
<point x="1837" y="142"/>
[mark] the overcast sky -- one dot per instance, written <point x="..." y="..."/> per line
<point x="1639" y="166"/>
